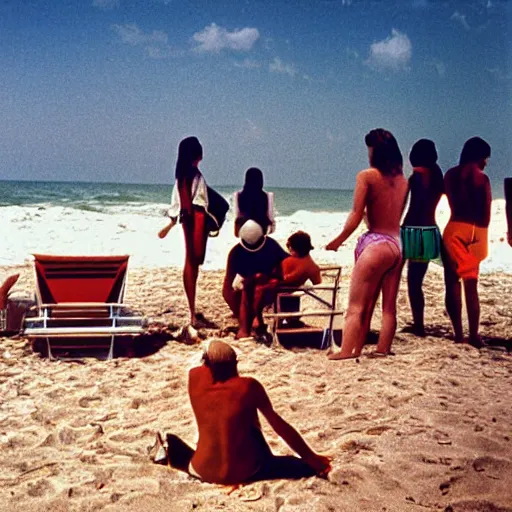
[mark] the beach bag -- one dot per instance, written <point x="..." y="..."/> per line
<point x="217" y="210"/>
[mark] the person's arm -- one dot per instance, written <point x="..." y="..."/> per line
<point x="290" y="274"/>
<point x="185" y="192"/>
<point x="356" y="214"/>
<point x="320" y="463"/>
<point x="488" y="200"/>
<point x="227" y="286"/>
<point x="316" y="277"/>
<point x="508" y="207"/>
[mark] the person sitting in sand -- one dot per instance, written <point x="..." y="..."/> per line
<point x="231" y="448"/>
<point x="382" y="190"/>
<point x="5" y="288"/>
<point x="508" y="208"/>
<point x="299" y="267"/>
<point x="252" y="202"/>
<point x="465" y="236"/>
<point x="253" y="270"/>
<point x="421" y="239"/>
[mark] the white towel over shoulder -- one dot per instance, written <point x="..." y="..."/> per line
<point x="199" y="196"/>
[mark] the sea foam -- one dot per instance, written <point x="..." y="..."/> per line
<point x="132" y="228"/>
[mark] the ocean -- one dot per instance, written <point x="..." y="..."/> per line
<point x="114" y="218"/>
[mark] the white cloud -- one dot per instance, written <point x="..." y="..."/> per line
<point x="278" y="66"/>
<point x="247" y="63"/>
<point x="214" y="39"/>
<point x="155" y="43"/>
<point x="106" y="5"/>
<point x="461" y="18"/>
<point x="393" y="53"/>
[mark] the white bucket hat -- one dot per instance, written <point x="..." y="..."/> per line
<point x="251" y="233"/>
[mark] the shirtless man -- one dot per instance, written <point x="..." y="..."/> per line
<point x="382" y="190"/>
<point x="300" y="267"/>
<point x="465" y="237"/>
<point x="253" y="270"/>
<point x="231" y="448"/>
<point x="508" y="208"/>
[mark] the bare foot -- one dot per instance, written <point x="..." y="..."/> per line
<point x="476" y="342"/>
<point x="242" y="334"/>
<point x="337" y="356"/>
<point x="378" y="355"/>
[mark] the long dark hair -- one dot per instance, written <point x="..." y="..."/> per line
<point x="189" y="151"/>
<point x="252" y="199"/>
<point x="424" y="154"/>
<point x="386" y="155"/>
<point x="474" y="150"/>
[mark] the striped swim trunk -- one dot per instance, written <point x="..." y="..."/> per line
<point x="420" y="243"/>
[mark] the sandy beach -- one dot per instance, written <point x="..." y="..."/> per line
<point x="427" y="429"/>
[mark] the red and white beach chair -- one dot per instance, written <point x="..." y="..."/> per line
<point x="80" y="304"/>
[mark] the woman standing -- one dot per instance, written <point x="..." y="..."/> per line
<point x="381" y="190"/>
<point x="421" y="238"/>
<point x="189" y="204"/>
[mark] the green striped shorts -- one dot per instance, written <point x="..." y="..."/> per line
<point x="420" y="243"/>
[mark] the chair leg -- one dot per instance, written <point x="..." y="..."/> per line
<point x="327" y="339"/>
<point x="111" y="349"/>
<point x="49" y="349"/>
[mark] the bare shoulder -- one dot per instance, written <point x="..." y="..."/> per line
<point x="253" y="386"/>
<point x="367" y="175"/>
<point x="451" y="173"/>
<point x="482" y="179"/>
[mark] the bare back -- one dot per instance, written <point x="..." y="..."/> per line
<point x="469" y="195"/>
<point x="230" y="448"/>
<point x="384" y="200"/>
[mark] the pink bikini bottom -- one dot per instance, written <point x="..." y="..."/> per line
<point x="371" y="237"/>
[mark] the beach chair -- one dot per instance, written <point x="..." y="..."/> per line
<point x="308" y="302"/>
<point x="79" y="304"/>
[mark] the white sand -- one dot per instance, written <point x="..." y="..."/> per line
<point x="428" y="429"/>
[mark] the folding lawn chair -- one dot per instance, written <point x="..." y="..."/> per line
<point x="80" y="304"/>
<point x="290" y="306"/>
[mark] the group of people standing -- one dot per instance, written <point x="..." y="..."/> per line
<point x="255" y="265"/>
<point x="381" y="191"/>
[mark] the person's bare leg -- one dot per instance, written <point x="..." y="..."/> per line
<point x="390" y="286"/>
<point x="246" y="309"/>
<point x="415" y="274"/>
<point x="5" y="288"/>
<point x="364" y="287"/>
<point x="473" y="310"/>
<point x="264" y="294"/>
<point x="195" y="246"/>
<point x="232" y="298"/>
<point x="190" y="273"/>
<point x="453" y="302"/>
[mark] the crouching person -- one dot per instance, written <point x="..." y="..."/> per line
<point x="231" y="448"/>
<point x="253" y="272"/>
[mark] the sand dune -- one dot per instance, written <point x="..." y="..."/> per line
<point x="427" y="429"/>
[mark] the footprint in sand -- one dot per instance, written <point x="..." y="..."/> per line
<point x="86" y="401"/>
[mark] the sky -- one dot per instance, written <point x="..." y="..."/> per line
<point x="104" y="90"/>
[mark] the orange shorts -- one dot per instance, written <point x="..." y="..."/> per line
<point x="466" y="246"/>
